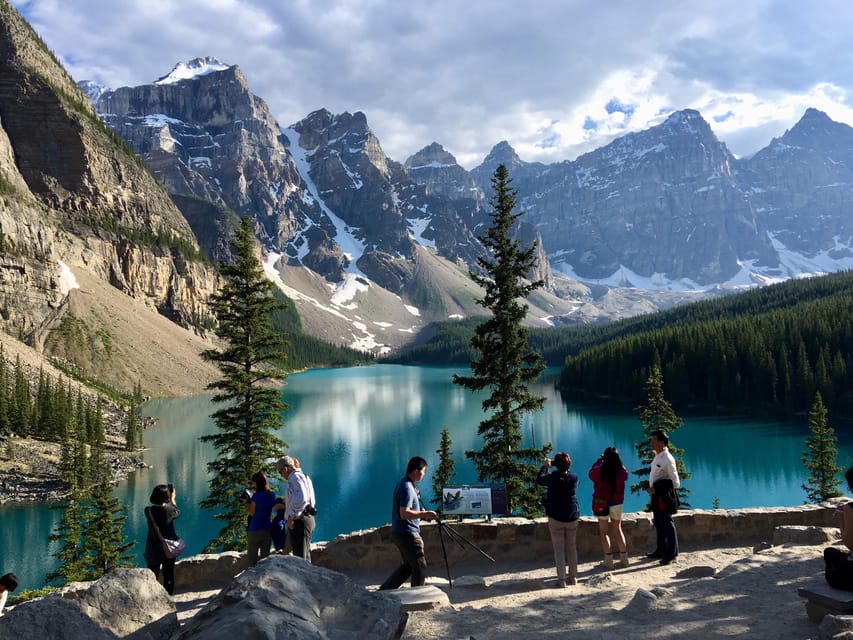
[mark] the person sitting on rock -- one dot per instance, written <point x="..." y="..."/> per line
<point x="838" y="564"/>
<point x="8" y="583"/>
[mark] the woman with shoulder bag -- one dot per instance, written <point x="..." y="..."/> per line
<point x="608" y="476"/>
<point x="161" y="517"/>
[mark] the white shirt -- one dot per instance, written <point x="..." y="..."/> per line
<point x="3" y="597"/>
<point x="299" y="494"/>
<point x="663" y="466"/>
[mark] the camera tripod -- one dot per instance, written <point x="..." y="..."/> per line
<point x="461" y="540"/>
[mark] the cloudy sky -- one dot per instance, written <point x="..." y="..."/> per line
<point x="554" y="78"/>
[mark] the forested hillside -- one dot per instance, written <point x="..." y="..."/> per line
<point x="768" y="350"/>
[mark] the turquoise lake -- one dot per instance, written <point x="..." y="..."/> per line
<point x="354" y="430"/>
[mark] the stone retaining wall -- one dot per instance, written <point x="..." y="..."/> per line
<point x="522" y="540"/>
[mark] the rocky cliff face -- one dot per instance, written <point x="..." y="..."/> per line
<point x="72" y="196"/>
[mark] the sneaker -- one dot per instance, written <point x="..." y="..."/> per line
<point x="623" y="559"/>
<point x="608" y="561"/>
<point x="561" y="584"/>
<point x="572" y="581"/>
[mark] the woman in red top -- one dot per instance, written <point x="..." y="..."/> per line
<point x="608" y="476"/>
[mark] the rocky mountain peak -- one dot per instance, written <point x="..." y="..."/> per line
<point x="433" y="155"/>
<point x="502" y="153"/>
<point x="437" y="170"/>
<point x="817" y="131"/>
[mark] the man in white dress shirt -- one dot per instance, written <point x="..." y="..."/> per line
<point x="663" y="483"/>
<point x="299" y="507"/>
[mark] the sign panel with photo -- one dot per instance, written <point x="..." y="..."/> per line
<point x="467" y="500"/>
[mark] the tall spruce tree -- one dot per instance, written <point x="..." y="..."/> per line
<point x="820" y="456"/>
<point x="445" y="472"/>
<point x="502" y="362"/>
<point x="657" y="413"/>
<point x="68" y="532"/>
<point x="246" y="426"/>
<point x="104" y="540"/>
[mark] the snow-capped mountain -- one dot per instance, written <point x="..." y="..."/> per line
<point x="383" y="248"/>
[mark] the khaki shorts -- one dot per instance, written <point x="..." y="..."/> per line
<point x="615" y="513"/>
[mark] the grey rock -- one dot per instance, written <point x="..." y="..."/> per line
<point x="696" y="572"/>
<point x="286" y="597"/>
<point x="125" y="603"/>
<point x="51" y="618"/>
<point x="761" y="546"/>
<point x="208" y="570"/>
<point x="470" y="582"/>
<point x="423" y="598"/>
<point x="798" y="534"/>
<point x="832" y="627"/>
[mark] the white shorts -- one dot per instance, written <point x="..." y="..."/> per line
<point x="615" y="513"/>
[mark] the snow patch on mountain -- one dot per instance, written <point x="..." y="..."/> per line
<point x="417" y="226"/>
<point x="352" y="247"/>
<point x="193" y="69"/>
<point x="67" y="279"/>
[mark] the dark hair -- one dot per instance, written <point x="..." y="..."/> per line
<point x="261" y="482"/>
<point x="660" y="434"/>
<point x="415" y="464"/>
<point x="10" y="581"/>
<point x="848" y="475"/>
<point x="611" y="465"/>
<point x="562" y="461"/>
<point x="160" y="494"/>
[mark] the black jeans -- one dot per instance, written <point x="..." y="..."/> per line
<point x="168" y="565"/>
<point x="300" y="536"/>
<point x="411" y="548"/>
<point x="667" y="538"/>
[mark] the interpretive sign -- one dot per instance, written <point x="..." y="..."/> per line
<point x="469" y="499"/>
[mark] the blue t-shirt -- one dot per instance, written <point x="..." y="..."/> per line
<point x="263" y="510"/>
<point x="405" y="495"/>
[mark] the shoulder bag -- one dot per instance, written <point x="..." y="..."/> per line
<point x="171" y="548"/>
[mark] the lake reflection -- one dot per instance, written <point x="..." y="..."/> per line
<point x="354" y="430"/>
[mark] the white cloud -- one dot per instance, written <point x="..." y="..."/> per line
<point x="469" y="75"/>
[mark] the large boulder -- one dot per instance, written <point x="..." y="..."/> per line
<point x="125" y="603"/>
<point x="286" y="597"/>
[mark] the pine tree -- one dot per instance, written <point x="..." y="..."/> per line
<point x="246" y="426"/>
<point x="657" y="413"/>
<point x="131" y="437"/>
<point x="502" y="362"/>
<point x="820" y="456"/>
<point x="104" y="541"/>
<point x="444" y="473"/>
<point x="68" y="533"/>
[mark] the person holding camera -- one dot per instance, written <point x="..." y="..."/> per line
<point x="300" y="506"/>
<point x="161" y="514"/>
<point x="259" y="538"/>
<point x="561" y="507"/>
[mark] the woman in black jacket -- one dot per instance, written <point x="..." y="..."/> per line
<point x="162" y="514"/>
<point x="561" y="507"/>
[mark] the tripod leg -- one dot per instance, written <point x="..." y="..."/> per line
<point x="444" y="553"/>
<point x="460" y="538"/>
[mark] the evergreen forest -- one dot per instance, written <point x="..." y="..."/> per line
<point x="767" y="351"/>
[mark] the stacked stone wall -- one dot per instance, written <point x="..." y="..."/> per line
<point x="521" y="540"/>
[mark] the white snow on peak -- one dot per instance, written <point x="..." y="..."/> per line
<point x="67" y="280"/>
<point x="192" y="69"/>
<point x="352" y="247"/>
<point x="791" y="265"/>
<point x="433" y="164"/>
<point x="413" y="310"/>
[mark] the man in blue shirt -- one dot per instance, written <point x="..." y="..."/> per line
<point x="406" y="514"/>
